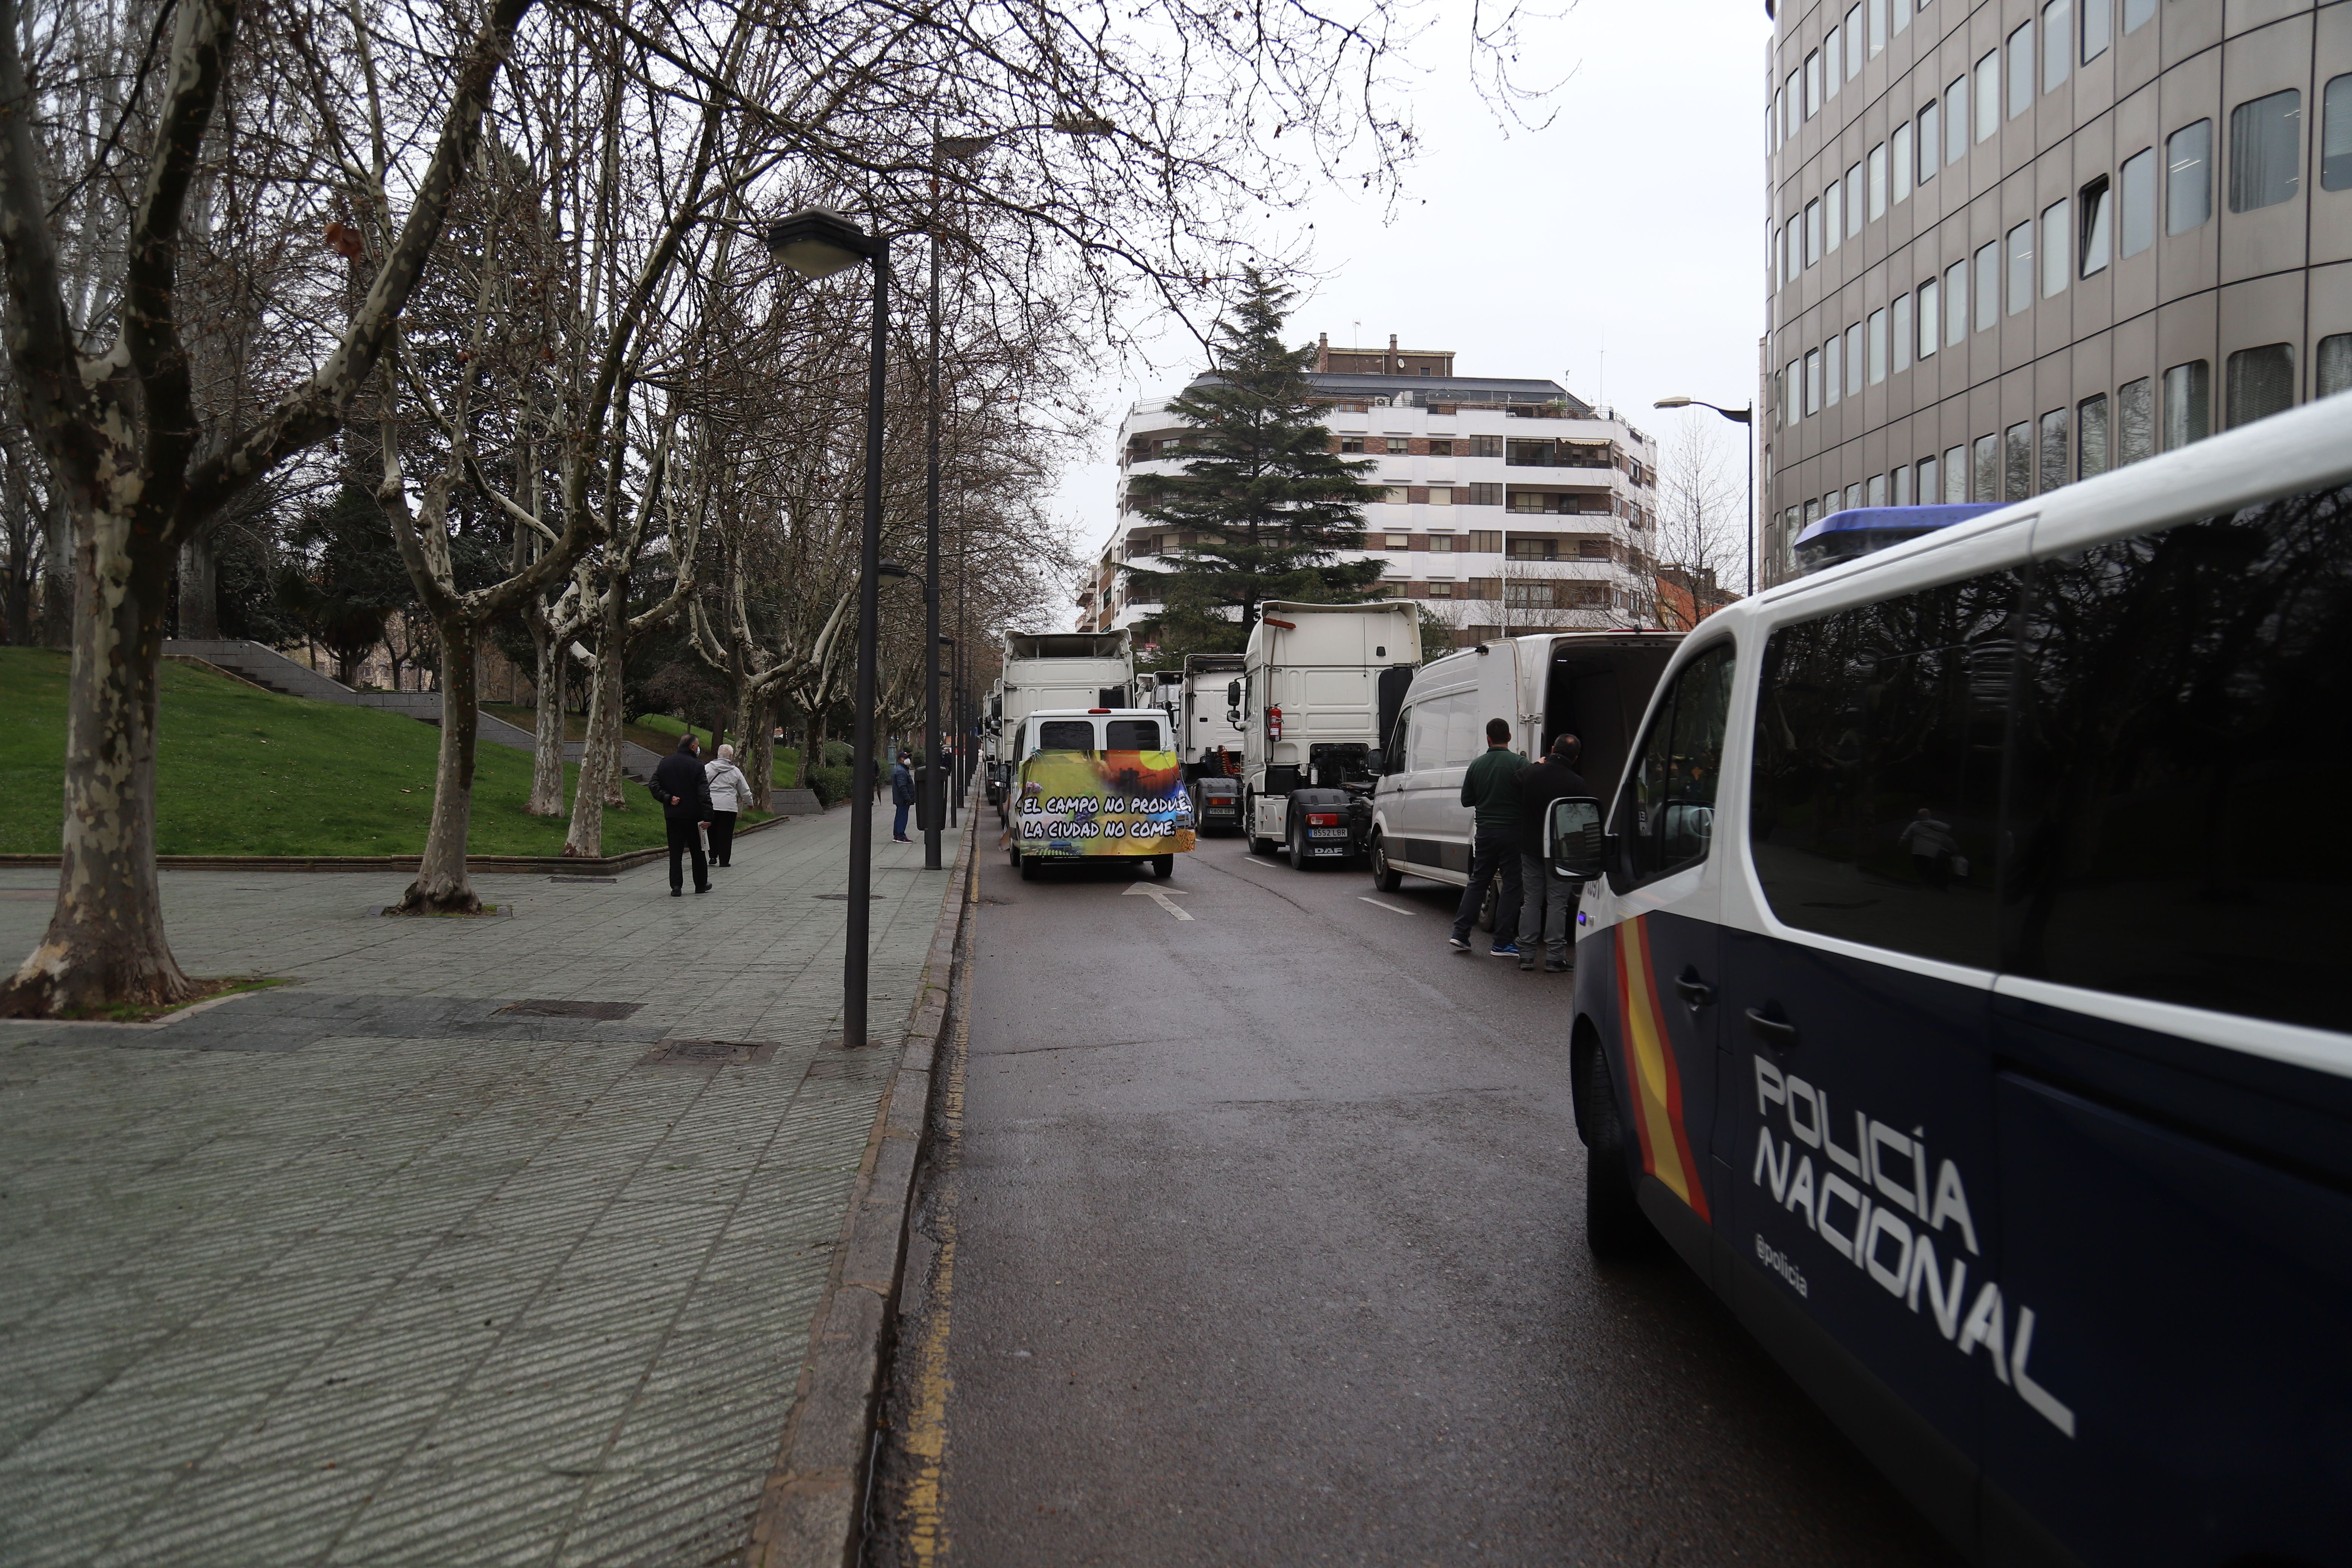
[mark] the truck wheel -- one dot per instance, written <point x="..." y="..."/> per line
<point x="1164" y="865"/>
<point x="1384" y="877"/>
<point x="1301" y="860"/>
<point x="1614" y="1225"/>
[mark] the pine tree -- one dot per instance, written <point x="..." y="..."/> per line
<point x="1266" y="501"/>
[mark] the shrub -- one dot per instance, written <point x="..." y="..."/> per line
<point x="836" y="754"/>
<point x="831" y="785"/>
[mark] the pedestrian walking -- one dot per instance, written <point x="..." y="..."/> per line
<point x="684" y="796"/>
<point x="902" y="794"/>
<point x="1490" y="787"/>
<point x="1548" y="906"/>
<point x="730" y="793"/>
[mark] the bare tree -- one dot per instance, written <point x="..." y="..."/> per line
<point x="1701" y="505"/>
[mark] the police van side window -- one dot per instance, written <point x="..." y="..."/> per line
<point x="1665" y="817"/>
<point x="2180" y="763"/>
<point x="1874" y="797"/>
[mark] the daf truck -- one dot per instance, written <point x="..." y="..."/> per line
<point x="1317" y="683"/>
<point x="1053" y="670"/>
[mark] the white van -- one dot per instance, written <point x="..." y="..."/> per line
<point x="1592" y="684"/>
<point x="1967" y="998"/>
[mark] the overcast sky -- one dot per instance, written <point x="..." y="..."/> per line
<point x="1630" y="226"/>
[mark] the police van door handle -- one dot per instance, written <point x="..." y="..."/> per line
<point x="1696" y="993"/>
<point x="1772" y="1031"/>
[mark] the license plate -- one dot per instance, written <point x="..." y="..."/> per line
<point x="1328" y="832"/>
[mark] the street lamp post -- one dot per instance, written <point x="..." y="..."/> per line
<point x="816" y="242"/>
<point x="1737" y="416"/>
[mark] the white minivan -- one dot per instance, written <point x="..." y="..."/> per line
<point x="1592" y="684"/>
<point x="1965" y="994"/>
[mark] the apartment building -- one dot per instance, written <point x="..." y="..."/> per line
<point x="2015" y="243"/>
<point x="1507" y="505"/>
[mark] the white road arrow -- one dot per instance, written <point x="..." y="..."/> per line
<point x="1159" y="896"/>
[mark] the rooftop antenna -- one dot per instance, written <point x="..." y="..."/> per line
<point x="1360" y="333"/>
<point x="1604" y="379"/>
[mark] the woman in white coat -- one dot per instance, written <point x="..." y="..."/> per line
<point x="730" y="792"/>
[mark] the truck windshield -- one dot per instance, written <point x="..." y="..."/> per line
<point x="1065" y="735"/>
<point x="1132" y="735"/>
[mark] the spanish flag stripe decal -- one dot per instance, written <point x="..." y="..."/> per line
<point x="1649" y="1069"/>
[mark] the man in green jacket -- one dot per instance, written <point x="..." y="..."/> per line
<point x="1490" y="787"/>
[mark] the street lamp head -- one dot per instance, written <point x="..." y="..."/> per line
<point x="1672" y="402"/>
<point x="817" y="242"/>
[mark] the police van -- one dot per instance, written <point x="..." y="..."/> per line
<point x="1967" y="996"/>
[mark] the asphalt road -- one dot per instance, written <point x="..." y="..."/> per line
<point x="1266" y="1243"/>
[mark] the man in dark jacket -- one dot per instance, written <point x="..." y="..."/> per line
<point x="1490" y="788"/>
<point x="684" y="796"/>
<point x="902" y="794"/>
<point x="1547" y="900"/>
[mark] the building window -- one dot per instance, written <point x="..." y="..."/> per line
<point x="1853" y="202"/>
<point x="1956" y="475"/>
<point x="1393" y="494"/>
<point x="1878" y="10"/>
<point x="1927" y="471"/>
<point x="1878" y="182"/>
<point x="1854" y="41"/>
<point x="2138" y="13"/>
<point x="1877" y="347"/>
<point x="1352" y="443"/>
<point x="1833" y="378"/>
<point x="2258" y="383"/>
<point x="1988" y="103"/>
<point x="2097" y="222"/>
<point x="1538" y="548"/>
<point x="2137" y="218"/>
<point x="2096" y="24"/>
<point x="2336" y="134"/>
<point x="1902" y="478"/>
<point x="1852" y="496"/>
<point x="1441" y="590"/>
<point x="2057" y="44"/>
<point x="1899" y="330"/>
<point x="1829" y="74"/>
<point x="1398" y="446"/>
<point x="1986" y="482"/>
<point x="2053" y="450"/>
<point x="1813" y="382"/>
<point x="1794" y="398"/>
<point x="1834" y="215"/>
<point x="1813" y="84"/>
<point x="1441" y="495"/>
<point x="1956" y="303"/>
<point x="1931" y="120"/>
<point x="1441" y="449"/>
<point x="1592" y="548"/>
<point x="1396" y="542"/>
<point x="2055" y="226"/>
<point x="1853" y="359"/>
<point x="1930" y="324"/>
<point x="1813" y="232"/>
<point x="1956" y="121"/>
<point x="2188" y="177"/>
<point x="2265" y="151"/>
<point x="2091" y="436"/>
<point x="2021" y="267"/>
<point x="2187" y="404"/>
<point x="1875" y="494"/>
<point x="1792" y="95"/>
<point x="1486" y="445"/>
<point x="2021" y="68"/>
<point x="1778" y="114"/>
<point x="1987" y="260"/>
<point x="2134" y="419"/>
<point x="2017" y="466"/>
<point x="1440" y="545"/>
<point x="2333" y="372"/>
<point x="1902" y="160"/>
<point x="1481" y="495"/>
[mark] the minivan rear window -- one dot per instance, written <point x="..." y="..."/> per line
<point x="1066" y="734"/>
<point x="1132" y="735"/>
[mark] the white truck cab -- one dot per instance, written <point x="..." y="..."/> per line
<point x="1311" y="694"/>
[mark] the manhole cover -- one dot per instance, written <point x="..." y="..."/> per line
<point x="843" y="898"/>
<point x="709" y="1053"/>
<point x="584" y="878"/>
<point x="607" y="1010"/>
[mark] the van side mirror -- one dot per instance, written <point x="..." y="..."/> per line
<point x="1232" y="694"/>
<point x="1572" y="839"/>
<point x="1376" y="762"/>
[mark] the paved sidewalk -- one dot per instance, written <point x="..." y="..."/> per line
<point x="368" y="1269"/>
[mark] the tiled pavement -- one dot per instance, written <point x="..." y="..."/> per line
<point x="365" y="1270"/>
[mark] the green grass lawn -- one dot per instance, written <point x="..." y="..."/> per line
<point x="247" y="772"/>
<point x="654" y="733"/>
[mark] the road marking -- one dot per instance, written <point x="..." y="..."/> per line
<point x="1255" y="861"/>
<point x="1159" y="896"/>
<point x="1390" y="908"/>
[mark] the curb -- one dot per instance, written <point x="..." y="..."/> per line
<point x="555" y="865"/>
<point x="812" y="1511"/>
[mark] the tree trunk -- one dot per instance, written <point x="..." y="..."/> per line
<point x="760" y="751"/>
<point x="105" y="943"/>
<point x="199" y="588"/>
<point x="586" y="838"/>
<point x="442" y="887"/>
<point x="547" y="732"/>
<point x="57" y="578"/>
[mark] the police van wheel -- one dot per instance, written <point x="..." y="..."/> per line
<point x="1164" y="865"/>
<point x="1384" y="877"/>
<point x="1614" y="1225"/>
